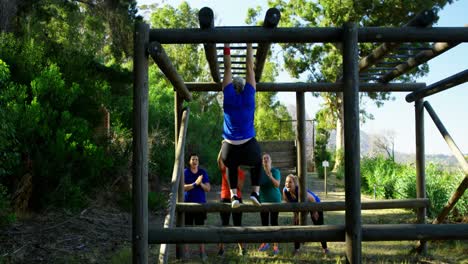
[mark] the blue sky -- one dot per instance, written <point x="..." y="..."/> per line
<point x="396" y="117"/>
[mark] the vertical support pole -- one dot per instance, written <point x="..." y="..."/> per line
<point x="353" y="233"/>
<point x="178" y="105"/>
<point x="301" y="153"/>
<point x="325" y="182"/>
<point x="420" y="167"/>
<point x="140" y="145"/>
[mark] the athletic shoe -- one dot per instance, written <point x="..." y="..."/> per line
<point x="295" y="252"/>
<point x="255" y="199"/>
<point x="264" y="247"/>
<point x="235" y="203"/>
<point x="220" y="252"/>
<point x="326" y="251"/>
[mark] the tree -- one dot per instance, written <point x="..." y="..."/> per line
<point x="324" y="62"/>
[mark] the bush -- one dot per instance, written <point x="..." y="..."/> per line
<point x="378" y="176"/>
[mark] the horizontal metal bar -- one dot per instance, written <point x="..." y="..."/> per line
<point x="391" y="232"/>
<point x="313" y="87"/>
<point x="306" y="35"/>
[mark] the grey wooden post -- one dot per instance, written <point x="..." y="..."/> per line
<point x="420" y="166"/>
<point x="178" y="104"/>
<point x="301" y="153"/>
<point x="140" y="146"/>
<point x="353" y="234"/>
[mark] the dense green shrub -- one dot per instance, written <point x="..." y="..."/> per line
<point x="393" y="180"/>
<point x="321" y="152"/>
<point x="378" y="175"/>
<point x="6" y="214"/>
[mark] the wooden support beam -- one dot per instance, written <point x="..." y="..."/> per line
<point x="140" y="145"/>
<point x="461" y="160"/>
<point x="400" y="232"/>
<point x="206" y="19"/>
<point x="301" y="152"/>
<point x="158" y="54"/>
<point x="248" y="34"/>
<point x="439" y="86"/>
<point x="301" y="207"/>
<point x="394" y="232"/>
<point x="271" y="20"/>
<point x="423" y="19"/>
<point x="313" y="87"/>
<point x="177" y="170"/>
<point x="420" y="58"/>
<point x="420" y="168"/>
<point x="212" y="234"/>
<point x="351" y="143"/>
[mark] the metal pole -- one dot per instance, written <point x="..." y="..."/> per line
<point x="352" y="148"/>
<point x="140" y="146"/>
<point x="325" y="182"/>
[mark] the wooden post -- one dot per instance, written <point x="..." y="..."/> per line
<point x="249" y="34"/>
<point x="312" y="87"/>
<point x="206" y="19"/>
<point x="439" y="86"/>
<point x="420" y="58"/>
<point x="301" y="153"/>
<point x="423" y="19"/>
<point x="461" y="160"/>
<point x="420" y="168"/>
<point x="175" y="183"/>
<point x="160" y="57"/>
<point x="140" y="145"/>
<point x="178" y="104"/>
<point x="353" y="232"/>
<point x="271" y="20"/>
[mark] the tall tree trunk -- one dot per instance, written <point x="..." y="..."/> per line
<point x="339" y="133"/>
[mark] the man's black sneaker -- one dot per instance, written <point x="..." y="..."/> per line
<point x="235" y="203"/>
<point x="255" y="199"/>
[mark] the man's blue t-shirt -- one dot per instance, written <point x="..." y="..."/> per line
<point x="291" y="200"/>
<point x="197" y="194"/>
<point x="239" y="110"/>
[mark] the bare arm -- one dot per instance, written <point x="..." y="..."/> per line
<point x="250" y="75"/>
<point x="227" y="65"/>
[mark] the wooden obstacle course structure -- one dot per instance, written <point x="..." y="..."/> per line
<point x="147" y="42"/>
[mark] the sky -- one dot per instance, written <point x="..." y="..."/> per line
<point x="395" y="117"/>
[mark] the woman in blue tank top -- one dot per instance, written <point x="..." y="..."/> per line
<point x="290" y="195"/>
<point x="239" y="146"/>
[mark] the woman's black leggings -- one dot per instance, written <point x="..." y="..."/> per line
<point x="248" y="154"/>
<point x="319" y="221"/>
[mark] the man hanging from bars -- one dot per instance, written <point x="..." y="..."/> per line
<point x="239" y="146"/>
